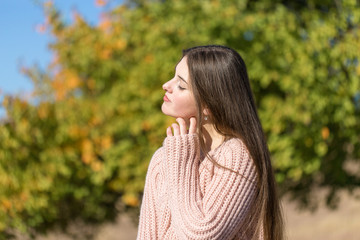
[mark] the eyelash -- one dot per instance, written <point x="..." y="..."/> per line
<point x="181" y="88"/>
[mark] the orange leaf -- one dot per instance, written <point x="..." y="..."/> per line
<point x="91" y="84"/>
<point x="105" y="24"/>
<point x="48" y="4"/>
<point x="325" y="133"/>
<point x="149" y="58"/>
<point x="100" y="3"/>
<point x="96" y="166"/>
<point x="106" y="142"/>
<point x="105" y="54"/>
<point x="40" y="28"/>
<point x="6" y="204"/>
<point x="87" y="151"/>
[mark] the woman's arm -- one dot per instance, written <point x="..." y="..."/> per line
<point x="148" y="226"/>
<point x="219" y="213"/>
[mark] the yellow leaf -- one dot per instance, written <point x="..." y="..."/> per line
<point x="130" y="200"/>
<point x="121" y="44"/>
<point x="77" y="132"/>
<point x="43" y="111"/>
<point x="96" y="166"/>
<point x="146" y="125"/>
<point x="87" y="151"/>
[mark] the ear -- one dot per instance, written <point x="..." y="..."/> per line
<point x="206" y="112"/>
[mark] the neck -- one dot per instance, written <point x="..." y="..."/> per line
<point x="212" y="138"/>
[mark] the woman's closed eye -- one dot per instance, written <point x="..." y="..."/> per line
<point x="179" y="86"/>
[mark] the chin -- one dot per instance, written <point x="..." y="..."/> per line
<point x="167" y="113"/>
<point x="173" y="114"/>
<point x="170" y="115"/>
<point x="163" y="109"/>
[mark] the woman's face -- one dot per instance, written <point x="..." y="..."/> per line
<point x="179" y="100"/>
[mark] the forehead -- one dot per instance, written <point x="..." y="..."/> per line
<point x="182" y="68"/>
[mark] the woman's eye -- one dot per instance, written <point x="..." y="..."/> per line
<point x="180" y="87"/>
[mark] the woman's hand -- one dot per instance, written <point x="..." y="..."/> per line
<point x="181" y="127"/>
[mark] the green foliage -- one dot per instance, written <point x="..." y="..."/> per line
<point x="88" y="140"/>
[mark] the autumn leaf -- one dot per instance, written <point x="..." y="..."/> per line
<point x="100" y="3"/>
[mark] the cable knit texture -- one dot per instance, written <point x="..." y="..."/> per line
<point x="187" y="197"/>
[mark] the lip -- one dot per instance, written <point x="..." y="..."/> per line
<point x="166" y="99"/>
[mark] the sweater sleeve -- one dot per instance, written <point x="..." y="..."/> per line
<point x="148" y="226"/>
<point x="221" y="211"/>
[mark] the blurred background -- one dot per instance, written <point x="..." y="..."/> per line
<point x="80" y="93"/>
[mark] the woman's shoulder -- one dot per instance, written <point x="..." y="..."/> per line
<point x="156" y="159"/>
<point x="233" y="145"/>
<point x="158" y="152"/>
<point x="233" y="154"/>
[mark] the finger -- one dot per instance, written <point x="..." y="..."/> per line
<point x="192" y="128"/>
<point x="168" y="132"/>
<point x="182" y="124"/>
<point x="176" y="129"/>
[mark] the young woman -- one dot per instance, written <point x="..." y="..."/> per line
<point x="212" y="178"/>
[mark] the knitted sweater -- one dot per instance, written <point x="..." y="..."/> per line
<point x="186" y="197"/>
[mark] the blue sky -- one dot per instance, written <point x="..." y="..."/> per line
<point x="21" y="44"/>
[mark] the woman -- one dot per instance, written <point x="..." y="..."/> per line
<point x="212" y="179"/>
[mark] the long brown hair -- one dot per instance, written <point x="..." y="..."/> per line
<point x="220" y="83"/>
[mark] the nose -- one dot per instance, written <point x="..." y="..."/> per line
<point x="167" y="86"/>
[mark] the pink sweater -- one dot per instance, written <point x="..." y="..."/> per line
<point x="187" y="197"/>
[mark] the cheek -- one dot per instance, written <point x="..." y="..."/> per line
<point x="180" y="106"/>
<point x="186" y="106"/>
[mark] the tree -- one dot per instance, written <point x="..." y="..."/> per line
<point x="88" y="139"/>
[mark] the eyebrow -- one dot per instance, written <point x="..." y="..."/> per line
<point x="182" y="78"/>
